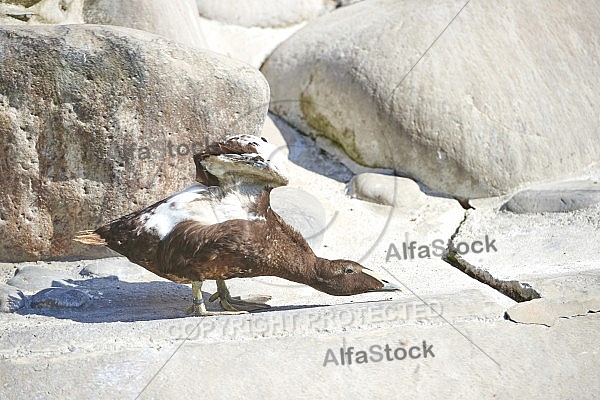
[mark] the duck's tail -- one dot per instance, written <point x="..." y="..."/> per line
<point x="89" y="237"/>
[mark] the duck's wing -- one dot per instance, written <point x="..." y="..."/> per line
<point x="244" y="157"/>
<point x="220" y="251"/>
<point x="136" y="235"/>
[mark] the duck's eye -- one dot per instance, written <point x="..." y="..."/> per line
<point x="349" y="270"/>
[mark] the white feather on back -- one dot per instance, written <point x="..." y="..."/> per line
<point x="198" y="203"/>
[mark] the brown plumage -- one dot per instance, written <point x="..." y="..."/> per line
<point x="228" y="231"/>
<point x="242" y="249"/>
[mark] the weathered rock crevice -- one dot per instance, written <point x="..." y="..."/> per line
<point x="516" y="290"/>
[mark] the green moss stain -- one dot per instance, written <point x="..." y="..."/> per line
<point x="343" y="138"/>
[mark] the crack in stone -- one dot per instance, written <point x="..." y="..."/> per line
<point x="518" y="291"/>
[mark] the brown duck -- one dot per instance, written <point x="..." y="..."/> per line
<point x="225" y="228"/>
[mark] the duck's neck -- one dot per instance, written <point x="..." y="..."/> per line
<point x="286" y="254"/>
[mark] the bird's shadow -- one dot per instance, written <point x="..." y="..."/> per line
<point x="113" y="300"/>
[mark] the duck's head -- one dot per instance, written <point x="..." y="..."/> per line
<point x="242" y="158"/>
<point x="345" y="277"/>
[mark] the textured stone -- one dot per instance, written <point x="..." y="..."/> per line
<point x="389" y="190"/>
<point x="100" y="121"/>
<point x="264" y="13"/>
<point x="56" y="12"/>
<point x="249" y="44"/>
<point x="119" y="267"/>
<point x="556" y="197"/>
<point x="526" y="253"/>
<point x="25" y="3"/>
<point x="11" y="298"/>
<point x="32" y="278"/>
<point x="482" y="113"/>
<point x="59" y="297"/>
<point x="547" y="311"/>
<point x="12" y="14"/>
<point x="303" y="211"/>
<point x="175" y="19"/>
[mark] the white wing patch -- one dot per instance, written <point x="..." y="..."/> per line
<point x="198" y="203"/>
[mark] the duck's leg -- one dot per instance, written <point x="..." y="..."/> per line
<point x="234" y="303"/>
<point x="199" y="308"/>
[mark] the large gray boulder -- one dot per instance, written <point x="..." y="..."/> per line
<point x="507" y="96"/>
<point x="97" y="121"/>
<point x="175" y="19"/>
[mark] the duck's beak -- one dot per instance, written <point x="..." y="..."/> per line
<point x="387" y="286"/>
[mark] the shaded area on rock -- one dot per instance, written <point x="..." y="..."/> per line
<point x="557" y="197"/>
<point x="11" y="298"/>
<point x="59" y="297"/>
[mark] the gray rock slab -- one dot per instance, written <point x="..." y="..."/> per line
<point x="59" y="298"/>
<point x="481" y="113"/>
<point x="24" y="3"/>
<point x="53" y="12"/>
<point x="249" y="44"/>
<point x="163" y="359"/>
<point x="389" y="190"/>
<point x="546" y="311"/>
<point x="32" y="278"/>
<point x="555" y="255"/>
<point x="371" y="234"/>
<point x="11" y="298"/>
<point x="557" y="197"/>
<point x="119" y="267"/>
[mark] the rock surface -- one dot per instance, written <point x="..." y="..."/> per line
<point x="388" y="190"/>
<point x="11" y="298"/>
<point x="99" y="121"/>
<point x="302" y="211"/>
<point x="59" y="298"/>
<point x="33" y="278"/>
<point x="264" y="13"/>
<point x="249" y="44"/>
<point x="176" y="20"/>
<point x="555" y="256"/>
<point x="53" y="12"/>
<point x="115" y="267"/>
<point x="546" y="312"/>
<point x="482" y="113"/>
<point x="555" y="197"/>
<point x="25" y="3"/>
